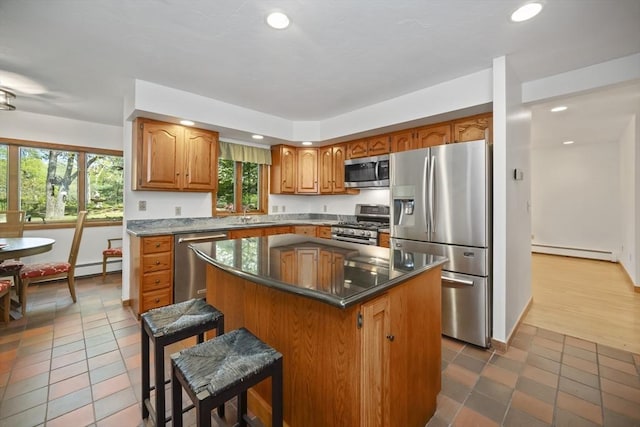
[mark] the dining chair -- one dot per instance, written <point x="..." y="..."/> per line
<point x="12" y="225"/>
<point x="111" y="252"/>
<point x="32" y="273"/>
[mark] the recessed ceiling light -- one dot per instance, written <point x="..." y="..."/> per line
<point x="568" y="142"/>
<point x="187" y="122"/>
<point x="558" y="108"/>
<point x="526" y="12"/>
<point x="307" y="143"/>
<point x="278" y="20"/>
<point x="257" y="136"/>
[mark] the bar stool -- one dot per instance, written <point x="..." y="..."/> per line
<point x="222" y="368"/>
<point x="165" y="326"/>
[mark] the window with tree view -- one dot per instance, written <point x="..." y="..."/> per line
<point x="241" y="187"/>
<point x="52" y="183"/>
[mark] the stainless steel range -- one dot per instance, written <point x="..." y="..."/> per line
<point x="369" y="219"/>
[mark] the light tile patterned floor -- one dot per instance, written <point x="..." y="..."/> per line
<point x="79" y="364"/>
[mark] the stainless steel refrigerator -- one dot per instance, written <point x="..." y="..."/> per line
<point x="441" y="204"/>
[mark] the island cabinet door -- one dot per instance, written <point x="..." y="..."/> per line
<point x="374" y="351"/>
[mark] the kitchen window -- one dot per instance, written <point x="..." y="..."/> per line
<point x="53" y="182"/>
<point x="242" y="180"/>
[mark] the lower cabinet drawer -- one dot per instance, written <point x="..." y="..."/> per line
<point x="156" y="262"/>
<point x="155" y="299"/>
<point x="156" y="280"/>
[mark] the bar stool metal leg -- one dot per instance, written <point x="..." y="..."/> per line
<point x="159" y="380"/>
<point x="146" y="392"/>
<point x="277" y="395"/>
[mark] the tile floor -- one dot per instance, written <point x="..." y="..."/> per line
<point x="79" y="364"/>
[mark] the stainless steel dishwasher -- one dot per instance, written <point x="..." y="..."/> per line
<point x="189" y="271"/>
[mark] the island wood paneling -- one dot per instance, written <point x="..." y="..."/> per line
<point x="322" y="349"/>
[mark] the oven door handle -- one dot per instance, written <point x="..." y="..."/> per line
<point x="353" y="240"/>
<point x="202" y="239"/>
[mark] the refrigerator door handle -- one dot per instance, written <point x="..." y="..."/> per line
<point x="432" y="184"/>
<point x="456" y="283"/>
<point x="425" y="171"/>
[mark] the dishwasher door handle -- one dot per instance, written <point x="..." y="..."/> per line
<point x="202" y="239"/>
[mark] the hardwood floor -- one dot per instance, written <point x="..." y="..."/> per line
<point x="587" y="299"/>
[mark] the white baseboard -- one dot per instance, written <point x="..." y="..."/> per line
<point x="574" y="252"/>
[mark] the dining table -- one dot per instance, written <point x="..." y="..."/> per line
<point x="18" y="247"/>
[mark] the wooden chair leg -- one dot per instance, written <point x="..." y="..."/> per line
<point x="24" y="284"/>
<point x="72" y="286"/>
<point x="104" y="267"/>
<point x="6" y="306"/>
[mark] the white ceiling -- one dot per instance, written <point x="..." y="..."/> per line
<point x="337" y="56"/>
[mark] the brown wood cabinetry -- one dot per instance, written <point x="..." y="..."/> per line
<point x="280" y="229"/>
<point x="173" y="157"/>
<point x="433" y="135"/>
<point x="332" y="169"/>
<point x="307" y="230"/>
<point x="152" y="272"/>
<point x="283" y="169"/>
<point x="402" y="141"/>
<point x="245" y="232"/>
<point x="383" y="240"/>
<point x="373" y="146"/>
<point x="323" y="231"/>
<point x="307" y="165"/>
<point x="389" y="368"/>
<point x="473" y="128"/>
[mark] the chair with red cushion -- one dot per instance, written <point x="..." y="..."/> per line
<point x="5" y="297"/>
<point x="32" y="273"/>
<point x="111" y="252"/>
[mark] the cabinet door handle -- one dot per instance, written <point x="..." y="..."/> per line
<point x="157" y="245"/>
<point x="157" y="300"/>
<point x="157" y="281"/>
<point x="157" y="262"/>
<point x="391" y="337"/>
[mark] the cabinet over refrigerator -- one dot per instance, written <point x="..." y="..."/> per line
<point x="441" y="204"/>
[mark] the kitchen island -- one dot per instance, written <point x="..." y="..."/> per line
<point x="358" y="326"/>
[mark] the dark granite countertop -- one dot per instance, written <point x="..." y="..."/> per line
<point x="156" y="227"/>
<point x="293" y="263"/>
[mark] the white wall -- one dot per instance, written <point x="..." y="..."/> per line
<point x="511" y="216"/>
<point x="629" y="200"/>
<point x="576" y="194"/>
<point x="338" y="205"/>
<point x="41" y="128"/>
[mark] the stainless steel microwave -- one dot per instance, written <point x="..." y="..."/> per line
<point x="367" y="172"/>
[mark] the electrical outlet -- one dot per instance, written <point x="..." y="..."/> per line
<point x="142" y="205"/>
<point x="284" y="208"/>
<point x="324" y="208"/>
<point x="274" y="209"/>
<point x="178" y="210"/>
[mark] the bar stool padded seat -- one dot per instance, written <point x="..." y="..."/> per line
<point x="164" y="326"/>
<point x="225" y="367"/>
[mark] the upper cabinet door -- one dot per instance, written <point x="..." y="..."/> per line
<point x="339" y="156"/>
<point x="378" y="145"/>
<point x="326" y="170"/>
<point x="402" y="141"/>
<point x="288" y="167"/>
<point x="357" y="149"/>
<point x="201" y="165"/>
<point x="159" y="156"/>
<point x="473" y="128"/>
<point x="434" y="135"/>
<point x="307" y="171"/>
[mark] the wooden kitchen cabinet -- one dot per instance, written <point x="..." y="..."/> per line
<point x="245" y="232"/>
<point x="402" y="141"/>
<point x="473" y="128"/>
<point x="281" y="229"/>
<point x="332" y="169"/>
<point x="383" y="240"/>
<point x="283" y="170"/>
<point x="151" y="272"/>
<point x="323" y="231"/>
<point x="373" y="146"/>
<point x="174" y="158"/>
<point x="375" y="356"/>
<point x="307" y="230"/>
<point x="433" y="135"/>
<point x="307" y="175"/>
